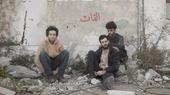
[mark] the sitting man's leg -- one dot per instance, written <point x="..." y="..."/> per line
<point x="90" y="63"/>
<point x="61" y="62"/>
<point x="46" y="63"/>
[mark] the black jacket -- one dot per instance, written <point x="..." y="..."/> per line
<point x="118" y="41"/>
<point x="113" y="60"/>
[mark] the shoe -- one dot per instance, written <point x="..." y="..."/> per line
<point x="108" y="83"/>
<point x="51" y="79"/>
<point x="62" y="79"/>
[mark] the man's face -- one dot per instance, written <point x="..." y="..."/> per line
<point x="111" y="31"/>
<point x="52" y="36"/>
<point x="104" y="43"/>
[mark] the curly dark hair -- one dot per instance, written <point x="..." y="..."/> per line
<point x="51" y="28"/>
<point x="111" y="25"/>
<point x="101" y="37"/>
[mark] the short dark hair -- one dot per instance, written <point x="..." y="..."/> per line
<point x="101" y="37"/>
<point x="51" y="28"/>
<point x="111" y="25"/>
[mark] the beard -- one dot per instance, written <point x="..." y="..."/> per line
<point x="105" y="47"/>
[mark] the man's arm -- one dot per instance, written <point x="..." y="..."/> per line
<point x="37" y="59"/>
<point x="120" y="43"/>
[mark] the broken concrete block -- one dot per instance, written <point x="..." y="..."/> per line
<point x="151" y="74"/>
<point x="166" y="78"/>
<point x="95" y="81"/>
<point x="4" y="91"/>
<point x="119" y="92"/>
<point x="140" y="77"/>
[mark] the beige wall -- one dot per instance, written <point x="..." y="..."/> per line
<point x="81" y="22"/>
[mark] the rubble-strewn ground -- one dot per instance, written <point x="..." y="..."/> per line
<point x="23" y="79"/>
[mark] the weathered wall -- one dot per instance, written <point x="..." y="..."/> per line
<point x="81" y="22"/>
<point x="155" y="15"/>
<point x="36" y="21"/>
<point x="8" y="11"/>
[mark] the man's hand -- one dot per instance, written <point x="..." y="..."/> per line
<point x="99" y="73"/>
<point x="116" y="48"/>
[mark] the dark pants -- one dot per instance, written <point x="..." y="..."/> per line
<point x="51" y="64"/>
<point x="93" y="66"/>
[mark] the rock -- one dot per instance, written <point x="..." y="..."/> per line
<point x="166" y="78"/>
<point x="67" y="76"/>
<point x="70" y="88"/>
<point x="5" y="61"/>
<point x="149" y="83"/>
<point x="158" y="79"/>
<point x="122" y="69"/>
<point x="45" y="91"/>
<point x="35" y="88"/>
<point x="140" y="76"/>
<point x="82" y="78"/>
<point x="122" y="79"/>
<point x="151" y="74"/>
<point x="21" y="72"/>
<point x="30" y="82"/>
<point x="95" y="81"/>
<point x="7" y="82"/>
<point x="118" y="92"/>
<point x="4" y="91"/>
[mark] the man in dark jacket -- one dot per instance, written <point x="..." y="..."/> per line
<point x="117" y="41"/>
<point x="104" y="62"/>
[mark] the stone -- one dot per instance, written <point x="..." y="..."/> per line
<point x="7" y="82"/>
<point x="95" y="81"/>
<point x="35" y="88"/>
<point x="119" y="92"/>
<point x="166" y="78"/>
<point x="30" y="82"/>
<point x="124" y="79"/>
<point x="5" y="61"/>
<point x="150" y="74"/>
<point x="67" y="76"/>
<point x="140" y="76"/>
<point x="70" y="88"/>
<point x="5" y="91"/>
<point x="21" y="72"/>
<point x="122" y="69"/>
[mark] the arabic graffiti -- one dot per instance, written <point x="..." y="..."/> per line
<point x="92" y="16"/>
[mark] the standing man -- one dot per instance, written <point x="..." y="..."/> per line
<point x="51" y="56"/>
<point x="117" y="42"/>
<point x="103" y="63"/>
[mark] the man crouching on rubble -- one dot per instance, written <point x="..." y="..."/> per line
<point x="51" y="56"/>
<point x="103" y="63"/>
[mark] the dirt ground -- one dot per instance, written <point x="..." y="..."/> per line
<point x="124" y="87"/>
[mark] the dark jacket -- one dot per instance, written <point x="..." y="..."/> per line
<point x="118" y="41"/>
<point x="113" y="60"/>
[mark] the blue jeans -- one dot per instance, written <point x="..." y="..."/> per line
<point x="51" y="64"/>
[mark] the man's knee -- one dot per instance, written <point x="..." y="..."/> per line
<point x="65" y="53"/>
<point x="90" y="53"/>
<point x="43" y="54"/>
